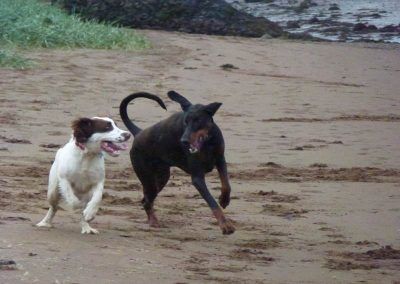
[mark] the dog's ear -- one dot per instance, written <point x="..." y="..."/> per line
<point x="212" y="108"/>
<point x="185" y="104"/>
<point x="82" y="128"/>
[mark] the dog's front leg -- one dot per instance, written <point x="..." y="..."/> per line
<point x="91" y="209"/>
<point x="224" y="198"/>
<point x="53" y="197"/>
<point x="200" y="184"/>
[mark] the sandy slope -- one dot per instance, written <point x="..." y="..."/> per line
<point x="312" y="133"/>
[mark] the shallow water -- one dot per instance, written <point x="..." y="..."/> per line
<point x="333" y="24"/>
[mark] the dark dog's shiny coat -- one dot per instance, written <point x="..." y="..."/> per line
<point x="189" y="140"/>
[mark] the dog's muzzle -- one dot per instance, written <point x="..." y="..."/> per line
<point x="193" y="142"/>
<point x="185" y="141"/>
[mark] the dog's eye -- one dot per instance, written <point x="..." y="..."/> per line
<point x="196" y="121"/>
<point x="187" y="120"/>
<point x="109" y="126"/>
<point x="196" y="124"/>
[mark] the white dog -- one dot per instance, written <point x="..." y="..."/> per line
<point x="77" y="174"/>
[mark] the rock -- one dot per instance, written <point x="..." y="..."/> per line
<point x="228" y="66"/>
<point x="298" y="148"/>
<point x="390" y="29"/>
<point x="314" y="20"/>
<point x="50" y="145"/>
<point x="334" y="7"/>
<point x="7" y="264"/>
<point x="192" y="16"/>
<point x="375" y="16"/>
<point x="259" y="1"/>
<point x="361" y="27"/>
<point x="271" y="164"/>
<point x="305" y="4"/>
<point x="266" y="36"/>
<point x="301" y="36"/>
<point x="367" y="15"/>
<point x="292" y="25"/>
<point x="318" y="165"/>
<point x="369" y="40"/>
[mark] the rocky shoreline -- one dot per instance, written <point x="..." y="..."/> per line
<point x="192" y="16"/>
<point x="293" y="19"/>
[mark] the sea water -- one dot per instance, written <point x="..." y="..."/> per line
<point x="333" y="23"/>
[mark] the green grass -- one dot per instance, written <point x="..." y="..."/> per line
<point x="10" y="59"/>
<point x="34" y="24"/>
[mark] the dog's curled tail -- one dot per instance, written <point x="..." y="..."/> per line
<point x="124" y="105"/>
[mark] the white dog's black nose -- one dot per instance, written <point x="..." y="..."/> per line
<point x="126" y="135"/>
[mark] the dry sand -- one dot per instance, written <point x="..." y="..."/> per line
<point x="313" y="143"/>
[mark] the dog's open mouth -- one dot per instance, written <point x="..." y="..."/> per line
<point x="112" y="148"/>
<point x="196" y="145"/>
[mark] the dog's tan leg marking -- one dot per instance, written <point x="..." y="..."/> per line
<point x="152" y="219"/>
<point x="224" y="198"/>
<point x="225" y="225"/>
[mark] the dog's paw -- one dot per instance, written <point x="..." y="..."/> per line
<point x="44" y="225"/>
<point x="224" y="200"/>
<point x="86" y="229"/>
<point x="153" y="222"/>
<point x="227" y="228"/>
<point x="89" y="214"/>
<point x="89" y="230"/>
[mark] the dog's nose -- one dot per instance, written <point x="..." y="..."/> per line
<point x="126" y="135"/>
<point x="185" y="138"/>
<point x="185" y="142"/>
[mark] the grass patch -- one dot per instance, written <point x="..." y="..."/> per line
<point x="9" y="59"/>
<point x="33" y="24"/>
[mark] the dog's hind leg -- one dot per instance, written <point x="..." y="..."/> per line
<point x="150" y="194"/>
<point x="163" y="174"/>
<point x="152" y="185"/>
<point x="153" y="176"/>
<point x="53" y="197"/>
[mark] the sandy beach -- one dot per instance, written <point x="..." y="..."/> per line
<point x="312" y="133"/>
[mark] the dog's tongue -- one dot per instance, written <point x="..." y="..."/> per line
<point x="118" y="146"/>
<point x="113" y="148"/>
<point x="196" y="146"/>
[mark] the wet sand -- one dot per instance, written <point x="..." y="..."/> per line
<point x="312" y="138"/>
